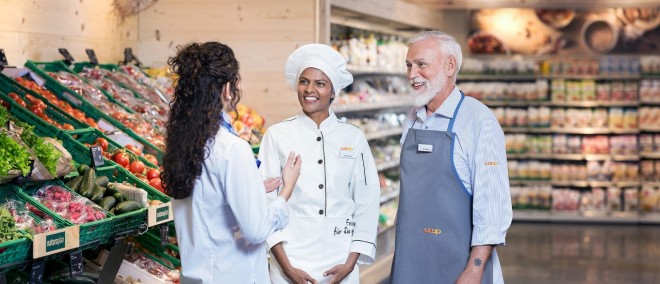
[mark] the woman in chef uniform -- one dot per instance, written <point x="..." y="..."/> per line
<point x="334" y="209"/>
<point x="221" y="211"/>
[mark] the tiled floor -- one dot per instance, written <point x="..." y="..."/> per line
<point x="571" y="253"/>
<point x="561" y="253"/>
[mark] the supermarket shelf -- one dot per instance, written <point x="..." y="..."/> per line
<point x="373" y="70"/>
<point x="649" y="155"/>
<point x="387" y="165"/>
<point x="650" y="129"/>
<point x="586" y="217"/>
<point x="652" y="183"/>
<point x="485" y="77"/>
<point x="384" y="133"/>
<point x="384" y="104"/>
<point x="531" y="156"/>
<point x="643" y="103"/>
<point x="650" y="76"/>
<point x="585" y="131"/>
<point x="594" y="77"/>
<point x="595" y="104"/>
<point x="515" y="103"/>
<point x="389" y="196"/>
<point x="596" y="183"/>
<point x="529" y="182"/>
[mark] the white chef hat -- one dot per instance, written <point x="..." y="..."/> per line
<point x="322" y="57"/>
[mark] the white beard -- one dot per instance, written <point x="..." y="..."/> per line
<point x="433" y="87"/>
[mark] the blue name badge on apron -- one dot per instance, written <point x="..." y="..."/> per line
<point x="426" y="148"/>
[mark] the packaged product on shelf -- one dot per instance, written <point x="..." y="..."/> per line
<point x="598" y="144"/>
<point x="623" y="145"/>
<point x="630" y="91"/>
<point x="573" y="91"/>
<point x="646" y="143"/>
<point x="565" y="200"/>
<point x="647" y="171"/>
<point x="656" y="142"/>
<point x="631" y="199"/>
<point x="593" y="201"/>
<point x="603" y="91"/>
<point x="616" y="118"/>
<point x="599" y="118"/>
<point x="649" y="91"/>
<point x="588" y="90"/>
<point x="574" y="144"/>
<point x="558" y="117"/>
<point x="614" y="199"/>
<point x="650" y="64"/>
<point x="630" y="118"/>
<point x="23" y="220"/>
<point x="649" y="199"/>
<point x="649" y="117"/>
<point x="512" y="167"/>
<point x="68" y="205"/>
<point x="617" y="90"/>
<point x="558" y="89"/>
<point x="559" y="144"/>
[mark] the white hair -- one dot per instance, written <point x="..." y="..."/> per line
<point x="448" y="45"/>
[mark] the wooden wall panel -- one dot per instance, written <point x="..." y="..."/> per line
<point x="36" y="29"/>
<point x="261" y="33"/>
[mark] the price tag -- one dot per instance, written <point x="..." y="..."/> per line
<point x="92" y="56"/>
<point x="128" y="55"/>
<point x="164" y="234"/>
<point x="97" y="155"/>
<point x="75" y="263"/>
<point x="72" y="99"/>
<point x="37" y="274"/>
<point x="68" y="59"/>
<point x="3" y="58"/>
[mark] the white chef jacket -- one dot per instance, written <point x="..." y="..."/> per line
<point x="221" y="227"/>
<point x="335" y="205"/>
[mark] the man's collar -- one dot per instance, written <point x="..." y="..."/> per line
<point x="447" y="107"/>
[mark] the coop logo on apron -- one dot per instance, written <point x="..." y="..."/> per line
<point x="432" y="231"/>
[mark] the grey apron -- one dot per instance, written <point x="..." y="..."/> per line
<point x="434" y="219"/>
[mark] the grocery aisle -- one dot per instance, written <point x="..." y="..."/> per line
<point x="579" y="253"/>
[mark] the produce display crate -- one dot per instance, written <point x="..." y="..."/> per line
<point x="93" y="233"/>
<point x="8" y="85"/>
<point x="41" y="127"/>
<point x="79" y="66"/>
<point x="90" y="110"/>
<point x="80" y="153"/>
<point x="90" y="135"/>
<point x="151" y="241"/>
<point x="15" y="252"/>
<point x="122" y="175"/>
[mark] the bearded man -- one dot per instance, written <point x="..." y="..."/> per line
<point x="455" y="205"/>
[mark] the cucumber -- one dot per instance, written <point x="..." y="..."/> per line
<point x="82" y="169"/>
<point x="102" y="181"/>
<point x="107" y="203"/>
<point x="127" y="206"/>
<point x="97" y="195"/>
<point x="119" y="197"/>
<point x="74" y="183"/>
<point x="87" y="186"/>
<point x="110" y="191"/>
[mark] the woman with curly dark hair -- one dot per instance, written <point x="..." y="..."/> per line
<point x="220" y="208"/>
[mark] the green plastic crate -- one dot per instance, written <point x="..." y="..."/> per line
<point x="65" y="93"/>
<point x="151" y="241"/>
<point x="80" y="153"/>
<point x="90" y="135"/>
<point x="8" y="85"/>
<point x="80" y="66"/>
<point x="93" y="233"/>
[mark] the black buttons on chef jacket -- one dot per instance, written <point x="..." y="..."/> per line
<point x="321" y="212"/>
<point x="318" y="138"/>
<point x="320" y="162"/>
<point x="320" y="186"/>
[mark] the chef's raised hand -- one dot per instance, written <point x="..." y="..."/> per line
<point x="272" y="184"/>
<point x="290" y="174"/>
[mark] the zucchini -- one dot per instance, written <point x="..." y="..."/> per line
<point x="74" y="183"/>
<point x="127" y="206"/>
<point x="102" y="181"/>
<point x="107" y="203"/>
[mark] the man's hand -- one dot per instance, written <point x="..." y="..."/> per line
<point x="272" y="184"/>
<point x="470" y="276"/>
<point x="298" y="276"/>
<point x="339" y="272"/>
<point x="474" y="269"/>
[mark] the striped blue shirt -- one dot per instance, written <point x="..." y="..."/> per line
<point x="480" y="159"/>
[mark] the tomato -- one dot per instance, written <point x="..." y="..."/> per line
<point x="156" y="183"/>
<point x="121" y="158"/>
<point x="102" y="142"/>
<point x="151" y="158"/>
<point x="39" y="103"/>
<point x="67" y="126"/>
<point x="134" y="149"/>
<point x="136" y="167"/>
<point x="36" y="110"/>
<point x="30" y="98"/>
<point x="14" y="96"/>
<point x="144" y="179"/>
<point x="153" y="173"/>
<point x="5" y="104"/>
<point x="21" y="102"/>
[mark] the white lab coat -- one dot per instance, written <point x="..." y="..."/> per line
<point x="222" y="226"/>
<point x="334" y="208"/>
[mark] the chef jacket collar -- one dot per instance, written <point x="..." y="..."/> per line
<point x="326" y="124"/>
<point x="446" y="109"/>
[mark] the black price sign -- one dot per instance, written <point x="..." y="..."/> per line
<point x="164" y="234"/>
<point x="75" y="263"/>
<point x="37" y="275"/>
<point x="67" y="56"/>
<point x="3" y="58"/>
<point x="97" y="155"/>
<point x="92" y="56"/>
<point x="128" y="55"/>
